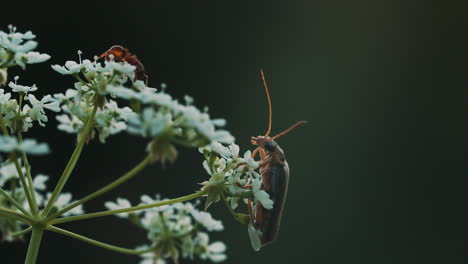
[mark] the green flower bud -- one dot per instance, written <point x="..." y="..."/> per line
<point x="162" y="150"/>
<point x="3" y="76"/>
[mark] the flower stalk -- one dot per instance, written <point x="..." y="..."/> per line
<point x="34" y="206"/>
<point x="24" y="184"/>
<point x="34" y="244"/>
<point x="14" y="202"/>
<point x="71" y="163"/>
<point x="15" y="215"/>
<point x="98" y="243"/>
<point x="106" y="188"/>
<point x="127" y="210"/>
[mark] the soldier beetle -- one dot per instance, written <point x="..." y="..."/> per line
<point x="121" y="54"/>
<point x="264" y="224"/>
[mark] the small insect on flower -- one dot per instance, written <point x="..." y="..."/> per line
<point x="121" y="54"/>
<point x="264" y="223"/>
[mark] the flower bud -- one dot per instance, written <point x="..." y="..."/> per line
<point x="3" y="76"/>
<point x="162" y="150"/>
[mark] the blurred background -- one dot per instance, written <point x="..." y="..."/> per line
<point x="378" y="175"/>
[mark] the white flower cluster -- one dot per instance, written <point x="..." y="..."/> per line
<point x="175" y="231"/>
<point x="93" y="82"/>
<point x="17" y="49"/>
<point x="20" y="114"/>
<point x="9" y="144"/>
<point x="9" y="181"/>
<point x="233" y="176"/>
<point x="150" y="113"/>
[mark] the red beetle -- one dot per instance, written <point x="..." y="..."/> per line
<point x="121" y="54"/>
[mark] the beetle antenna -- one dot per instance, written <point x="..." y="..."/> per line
<point x="269" y="103"/>
<point x="287" y="130"/>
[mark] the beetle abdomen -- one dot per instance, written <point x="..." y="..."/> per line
<point x="278" y="175"/>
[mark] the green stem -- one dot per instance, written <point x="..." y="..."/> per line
<point x="24" y="184"/>
<point x="71" y="163"/>
<point x="98" y="243"/>
<point x="14" y="202"/>
<point x="228" y="206"/>
<point x="4" y="128"/>
<point x="35" y="208"/>
<point x="78" y="78"/>
<point x="34" y="244"/>
<point x="15" y="215"/>
<point x="20" y="104"/>
<point x="22" y="232"/>
<point x="126" y="210"/>
<point x="106" y="188"/>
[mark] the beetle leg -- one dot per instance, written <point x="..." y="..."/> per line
<point x="244" y="186"/>
<point x="265" y="158"/>
<point x="254" y="153"/>
<point x="240" y="164"/>
<point x="259" y="216"/>
<point x="264" y="164"/>
<point x="251" y="213"/>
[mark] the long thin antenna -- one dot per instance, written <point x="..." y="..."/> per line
<point x="287" y="130"/>
<point x="269" y="103"/>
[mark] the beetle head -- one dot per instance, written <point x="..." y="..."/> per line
<point x="264" y="142"/>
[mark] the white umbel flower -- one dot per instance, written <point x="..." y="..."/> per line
<point x="21" y="88"/>
<point x="260" y="195"/>
<point x="120" y="204"/>
<point x="10" y="144"/>
<point x="205" y="219"/>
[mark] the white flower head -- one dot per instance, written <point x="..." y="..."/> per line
<point x="8" y="171"/>
<point x="261" y="196"/>
<point x="39" y="182"/>
<point x="205" y="219"/>
<point x="10" y="144"/>
<point x="220" y="149"/>
<point x="120" y="204"/>
<point x="251" y="163"/>
<point x="71" y="67"/>
<point x="124" y="68"/>
<point x="214" y="252"/>
<point x="69" y="125"/>
<point x="16" y="49"/>
<point x="21" y="88"/>
<point x="36" y="57"/>
<point x="47" y="102"/>
<point x="63" y="200"/>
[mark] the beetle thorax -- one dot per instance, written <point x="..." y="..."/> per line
<point x="272" y="149"/>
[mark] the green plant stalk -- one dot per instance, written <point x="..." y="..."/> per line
<point x="15" y="215"/>
<point x="24" y="184"/>
<point x="228" y="206"/>
<point x="14" y="202"/>
<point x="127" y="210"/>
<point x="71" y="163"/>
<point x="20" y="104"/>
<point x="130" y="174"/>
<point x="35" y="208"/>
<point x="4" y="128"/>
<point x="34" y="244"/>
<point x="98" y="243"/>
<point x="22" y="232"/>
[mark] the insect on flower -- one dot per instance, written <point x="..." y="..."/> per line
<point x="264" y="224"/>
<point x="121" y="54"/>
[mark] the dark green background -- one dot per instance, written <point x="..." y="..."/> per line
<point x="379" y="173"/>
